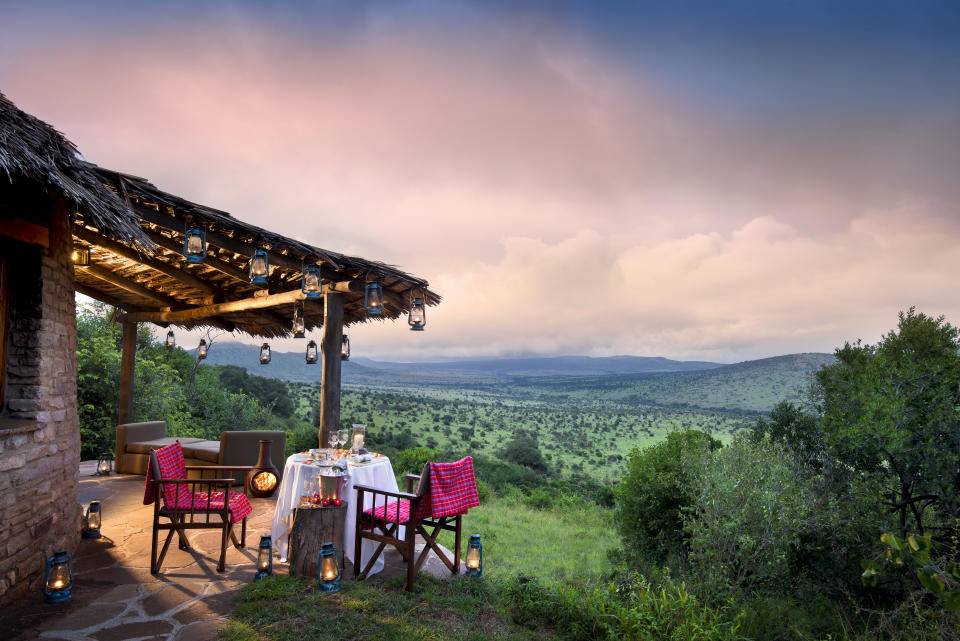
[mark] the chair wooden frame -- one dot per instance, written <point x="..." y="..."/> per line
<point x="389" y="532"/>
<point x="178" y="518"/>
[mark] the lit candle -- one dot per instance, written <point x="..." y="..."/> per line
<point x="357" y="442"/>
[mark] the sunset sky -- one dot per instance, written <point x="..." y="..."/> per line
<point x="696" y="180"/>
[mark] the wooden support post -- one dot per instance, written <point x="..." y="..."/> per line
<point x="330" y="380"/>
<point x="127" y="359"/>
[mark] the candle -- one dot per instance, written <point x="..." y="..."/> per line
<point x="357" y="442"/>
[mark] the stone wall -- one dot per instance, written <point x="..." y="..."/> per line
<point x="39" y="429"/>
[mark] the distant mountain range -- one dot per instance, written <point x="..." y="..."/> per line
<point x="291" y="366"/>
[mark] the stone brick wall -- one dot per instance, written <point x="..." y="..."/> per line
<point x="39" y="429"/>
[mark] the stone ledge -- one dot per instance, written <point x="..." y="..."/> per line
<point x="13" y="426"/>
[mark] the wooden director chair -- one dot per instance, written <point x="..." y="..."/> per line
<point x="189" y="504"/>
<point x="444" y="494"/>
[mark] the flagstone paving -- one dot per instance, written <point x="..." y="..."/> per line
<point x="115" y="598"/>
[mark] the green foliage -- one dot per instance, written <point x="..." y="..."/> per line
<point x="917" y="552"/>
<point x="795" y="429"/>
<point x="523" y="450"/>
<point x="269" y="392"/>
<point x="655" y="491"/>
<point x="411" y="461"/>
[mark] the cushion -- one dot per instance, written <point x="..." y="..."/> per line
<point x="203" y="450"/>
<point x="145" y="447"/>
<point x="197" y="502"/>
<point x="390" y="513"/>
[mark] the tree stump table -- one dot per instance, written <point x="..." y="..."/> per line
<point x="312" y="527"/>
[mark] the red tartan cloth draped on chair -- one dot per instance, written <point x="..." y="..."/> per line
<point x="189" y="503"/>
<point x="445" y="492"/>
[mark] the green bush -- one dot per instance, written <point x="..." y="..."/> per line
<point x="412" y="460"/>
<point x="654" y="492"/>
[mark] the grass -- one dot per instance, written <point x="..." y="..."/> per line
<point x="294" y="609"/>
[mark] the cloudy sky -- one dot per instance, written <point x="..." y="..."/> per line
<point x="697" y="180"/>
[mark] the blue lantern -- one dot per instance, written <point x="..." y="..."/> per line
<point x="59" y="577"/>
<point x="310" y="282"/>
<point x="475" y="557"/>
<point x="373" y="298"/>
<point x="202" y="349"/>
<point x="417" y="317"/>
<point x="264" y="354"/>
<point x="195" y="245"/>
<point x="264" y="558"/>
<point x="344" y="348"/>
<point x="299" y="324"/>
<point x="91" y="521"/>
<point x="259" y="267"/>
<point x="311" y="352"/>
<point x="328" y="570"/>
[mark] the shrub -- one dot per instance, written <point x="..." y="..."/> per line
<point x="655" y="490"/>
<point x="412" y="460"/>
<point x="524" y="450"/>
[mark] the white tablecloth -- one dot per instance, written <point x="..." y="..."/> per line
<point x="300" y="479"/>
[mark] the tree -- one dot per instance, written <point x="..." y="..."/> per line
<point x="891" y="411"/>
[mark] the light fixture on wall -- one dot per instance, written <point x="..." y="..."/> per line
<point x="373" y="298"/>
<point x="264" y="354"/>
<point x="171" y="340"/>
<point x="299" y="324"/>
<point x="417" y="317"/>
<point x="259" y="267"/>
<point x="80" y="255"/>
<point x="310" y="283"/>
<point x="202" y="349"/>
<point x="195" y="245"/>
<point x="311" y="352"/>
<point x="344" y="348"/>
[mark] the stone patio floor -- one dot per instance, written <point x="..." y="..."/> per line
<point x="116" y="598"/>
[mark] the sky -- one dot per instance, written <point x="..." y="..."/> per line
<point x="697" y="180"/>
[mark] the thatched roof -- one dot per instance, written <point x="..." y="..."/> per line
<point x="31" y="149"/>
<point x="136" y="233"/>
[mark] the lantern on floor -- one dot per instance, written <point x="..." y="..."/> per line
<point x="202" y="350"/>
<point x="417" y="317"/>
<point x="311" y="352"/>
<point x="104" y="464"/>
<point x="264" y="354"/>
<point x="91" y="521"/>
<point x="58" y="580"/>
<point x="475" y="556"/>
<point x="80" y="255"/>
<point x="264" y="477"/>
<point x="264" y="558"/>
<point x="344" y="348"/>
<point x="299" y="324"/>
<point x="310" y="282"/>
<point x="171" y="341"/>
<point x="328" y="570"/>
<point x="356" y="440"/>
<point x="259" y="267"/>
<point x="195" y="245"/>
<point x="373" y="298"/>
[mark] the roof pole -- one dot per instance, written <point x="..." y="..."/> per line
<point x="127" y="359"/>
<point x="330" y="381"/>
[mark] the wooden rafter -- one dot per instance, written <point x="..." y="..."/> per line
<point x="129" y="285"/>
<point x="206" y="311"/>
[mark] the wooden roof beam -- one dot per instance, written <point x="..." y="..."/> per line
<point x="129" y="285"/>
<point x="215" y="263"/>
<point x="122" y="250"/>
<point x="106" y="298"/>
<point x="206" y="311"/>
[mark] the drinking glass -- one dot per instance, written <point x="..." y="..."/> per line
<point x="342" y="437"/>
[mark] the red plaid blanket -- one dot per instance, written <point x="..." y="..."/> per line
<point x="177" y="496"/>
<point x="453" y="489"/>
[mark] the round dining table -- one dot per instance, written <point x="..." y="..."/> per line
<point x="301" y="478"/>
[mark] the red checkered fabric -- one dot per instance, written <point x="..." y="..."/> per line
<point x="453" y="489"/>
<point x="393" y="515"/>
<point x="179" y="497"/>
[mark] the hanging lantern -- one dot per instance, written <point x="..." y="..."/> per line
<point x="373" y="298"/>
<point x="311" y="352"/>
<point x="171" y="341"/>
<point x="259" y="267"/>
<point x="299" y="325"/>
<point x="80" y="255"/>
<point x="310" y="282"/>
<point x="202" y="350"/>
<point x="264" y="354"/>
<point x="104" y="464"/>
<point x="328" y="570"/>
<point x="195" y="245"/>
<point x="264" y="478"/>
<point x="59" y="577"/>
<point x="264" y="558"/>
<point x="345" y="348"/>
<point x="475" y="556"/>
<point x="418" y="314"/>
<point x="91" y="521"/>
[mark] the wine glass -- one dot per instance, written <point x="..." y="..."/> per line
<point x="342" y="437"/>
